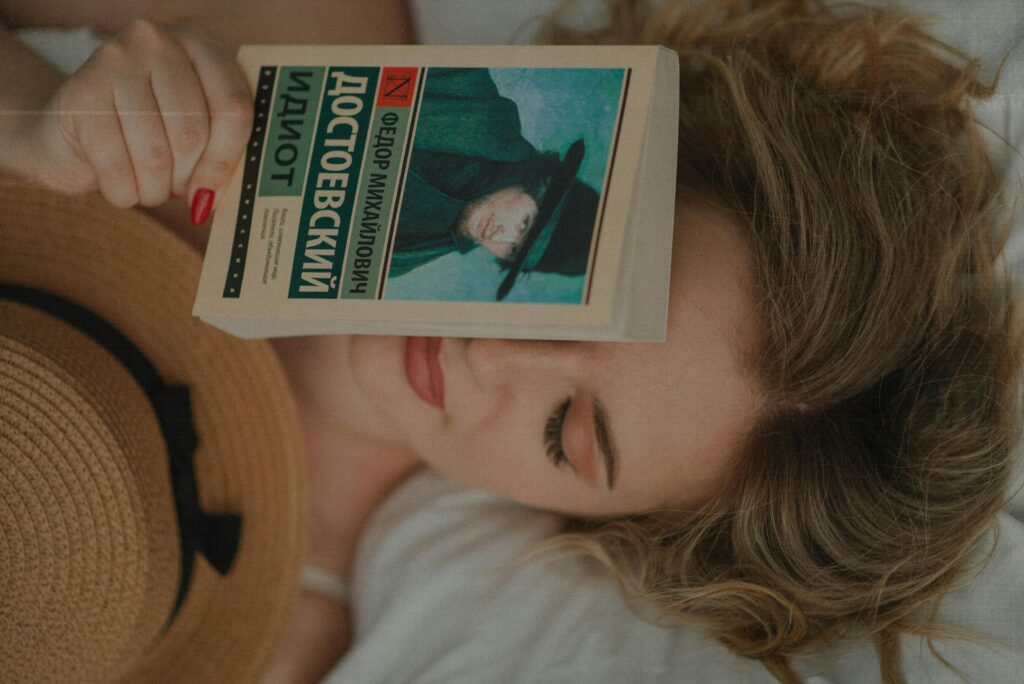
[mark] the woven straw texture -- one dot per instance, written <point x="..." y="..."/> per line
<point x="85" y="514"/>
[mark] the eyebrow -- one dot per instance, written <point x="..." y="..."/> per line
<point x="604" y="442"/>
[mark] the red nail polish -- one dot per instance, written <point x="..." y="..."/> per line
<point x="202" y="202"/>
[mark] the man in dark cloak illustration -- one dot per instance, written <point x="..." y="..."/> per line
<point x="473" y="180"/>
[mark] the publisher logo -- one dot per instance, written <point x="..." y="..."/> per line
<point x="397" y="87"/>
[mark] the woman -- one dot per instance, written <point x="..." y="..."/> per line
<point x="825" y="437"/>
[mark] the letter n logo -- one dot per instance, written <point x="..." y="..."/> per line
<point x="397" y="86"/>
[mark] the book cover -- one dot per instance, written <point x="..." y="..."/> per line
<point x="454" y="191"/>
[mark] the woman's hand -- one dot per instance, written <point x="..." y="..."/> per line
<point x="156" y="112"/>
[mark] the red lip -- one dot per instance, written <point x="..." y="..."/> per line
<point x="423" y="369"/>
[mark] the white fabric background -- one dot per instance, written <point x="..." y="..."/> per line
<point x="435" y="597"/>
<point x="438" y="602"/>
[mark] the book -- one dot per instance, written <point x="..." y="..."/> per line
<point x="517" y="192"/>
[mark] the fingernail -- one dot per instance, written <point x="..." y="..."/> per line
<point x="202" y="202"/>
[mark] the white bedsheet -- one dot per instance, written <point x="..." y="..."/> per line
<point x="437" y="602"/>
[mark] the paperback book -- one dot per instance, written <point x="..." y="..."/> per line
<point x="519" y="192"/>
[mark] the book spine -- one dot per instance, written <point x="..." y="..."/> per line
<point x="332" y="181"/>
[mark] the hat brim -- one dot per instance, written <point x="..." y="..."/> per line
<point x="140" y="277"/>
<point x="561" y="180"/>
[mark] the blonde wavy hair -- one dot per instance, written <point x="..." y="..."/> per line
<point x="843" y="139"/>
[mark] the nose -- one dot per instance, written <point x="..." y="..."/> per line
<point x="495" y="361"/>
<point x="509" y="226"/>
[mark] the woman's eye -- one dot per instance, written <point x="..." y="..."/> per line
<point x="553" y="434"/>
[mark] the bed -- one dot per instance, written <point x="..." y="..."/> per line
<point x="437" y="597"/>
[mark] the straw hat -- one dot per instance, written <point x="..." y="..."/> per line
<point x="108" y="386"/>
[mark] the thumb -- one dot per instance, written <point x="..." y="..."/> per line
<point x="206" y="187"/>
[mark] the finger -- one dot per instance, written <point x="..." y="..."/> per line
<point x="179" y="94"/>
<point x="229" y="102"/>
<point x="99" y="135"/>
<point x="144" y="134"/>
<point x="54" y="156"/>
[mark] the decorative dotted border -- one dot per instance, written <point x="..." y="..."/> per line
<point x="243" y="223"/>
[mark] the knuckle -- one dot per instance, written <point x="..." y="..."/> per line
<point x="157" y="159"/>
<point x="238" y="105"/>
<point x="145" y="32"/>
<point x="219" y="168"/>
<point x="193" y="137"/>
<point x="199" y="37"/>
<point x="110" y="53"/>
<point x="148" y="42"/>
<point x="189" y="32"/>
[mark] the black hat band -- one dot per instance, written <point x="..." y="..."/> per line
<point x="215" y="536"/>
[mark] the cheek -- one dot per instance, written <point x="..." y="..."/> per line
<point x="499" y="456"/>
<point x="519" y="216"/>
<point x="509" y="214"/>
<point x="497" y="449"/>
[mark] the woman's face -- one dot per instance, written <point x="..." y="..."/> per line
<point x="581" y="427"/>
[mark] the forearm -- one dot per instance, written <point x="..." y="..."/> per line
<point x="349" y="478"/>
<point x="27" y="81"/>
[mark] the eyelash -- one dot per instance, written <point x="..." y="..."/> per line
<point x="553" y="434"/>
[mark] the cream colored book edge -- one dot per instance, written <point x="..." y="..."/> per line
<point x="626" y="281"/>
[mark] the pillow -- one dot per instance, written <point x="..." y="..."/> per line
<point x="438" y="597"/>
<point x="67" y="49"/>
